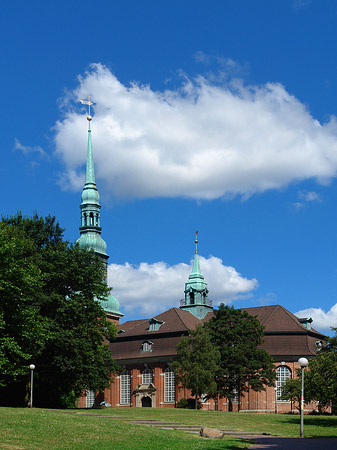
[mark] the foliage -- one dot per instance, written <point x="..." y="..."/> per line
<point x="188" y="403"/>
<point x="291" y="390"/>
<point x="197" y="362"/>
<point x="321" y="380"/>
<point x="243" y="364"/>
<point x="49" y="313"/>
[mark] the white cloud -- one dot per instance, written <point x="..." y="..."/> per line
<point x="306" y="197"/>
<point x="321" y="320"/>
<point x="149" y="289"/>
<point x="204" y="140"/>
<point x="26" y="149"/>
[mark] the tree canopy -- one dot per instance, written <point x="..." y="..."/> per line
<point x="243" y="364"/>
<point x="197" y="362"/>
<point x="50" y="314"/>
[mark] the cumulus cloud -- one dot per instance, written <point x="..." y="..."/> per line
<point x="322" y="320"/>
<point x="204" y="140"/>
<point x="148" y="289"/>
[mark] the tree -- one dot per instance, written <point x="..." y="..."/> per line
<point x="197" y="362"/>
<point x="321" y="379"/>
<point x="243" y="364"/>
<point x="291" y="390"/>
<point x="50" y="314"/>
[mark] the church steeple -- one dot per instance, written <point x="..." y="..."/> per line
<point x="196" y="292"/>
<point x="90" y="228"/>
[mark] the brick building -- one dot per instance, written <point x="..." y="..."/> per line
<point x="145" y="348"/>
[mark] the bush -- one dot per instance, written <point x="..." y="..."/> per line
<point x="188" y="403"/>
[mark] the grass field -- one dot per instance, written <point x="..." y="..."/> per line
<point x="41" y="429"/>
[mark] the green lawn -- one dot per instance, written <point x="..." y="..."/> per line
<point x="286" y="425"/>
<point x="41" y="429"/>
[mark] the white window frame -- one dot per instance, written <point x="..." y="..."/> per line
<point x="147" y="376"/>
<point x="89" y="398"/>
<point x="169" y="385"/>
<point x="283" y="373"/>
<point x="125" y="388"/>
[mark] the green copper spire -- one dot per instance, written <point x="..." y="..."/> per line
<point x="196" y="292"/>
<point x="90" y="228"/>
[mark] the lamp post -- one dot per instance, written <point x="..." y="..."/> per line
<point x="303" y="362"/>
<point x="32" y="367"/>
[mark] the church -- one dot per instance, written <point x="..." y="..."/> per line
<point x="145" y="348"/>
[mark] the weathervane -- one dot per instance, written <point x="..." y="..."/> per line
<point x="196" y="241"/>
<point x="89" y="103"/>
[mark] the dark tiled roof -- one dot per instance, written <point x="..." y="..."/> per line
<point x="132" y="348"/>
<point x="284" y="336"/>
<point x="174" y="320"/>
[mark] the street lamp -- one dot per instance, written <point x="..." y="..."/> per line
<point x="303" y="362"/>
<point x="32" y="367"/>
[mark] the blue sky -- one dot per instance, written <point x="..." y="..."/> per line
<point x="216" y="116"/>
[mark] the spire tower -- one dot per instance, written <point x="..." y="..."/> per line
<point x="196" y="292"/>
<point x="90" y="228"/>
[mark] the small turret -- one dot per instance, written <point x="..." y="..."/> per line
<point x="196" y="292"/>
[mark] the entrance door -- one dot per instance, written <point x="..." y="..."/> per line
<point x="146" y="402"/>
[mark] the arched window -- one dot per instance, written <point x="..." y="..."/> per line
<point x="147" y="376"/>
<point x="91" y="220"/>
<point x="191" y="298"/>
<point x="125" y="387"/>
<point x="169" y="385"/>
<point x="282" y="374"/>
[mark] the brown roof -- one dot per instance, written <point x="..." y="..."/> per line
<point x="174" y="320"/>
<point x="276" y="319"/>
<point x="285" y="337"/>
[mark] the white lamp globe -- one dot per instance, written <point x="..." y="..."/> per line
<point x="32" y="367"/>
<point x="303" y="362"/>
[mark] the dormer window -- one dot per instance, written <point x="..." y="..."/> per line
<point x="120" y="331"/>
<point x="147" y="346"/>
<point x="155" y="324"/>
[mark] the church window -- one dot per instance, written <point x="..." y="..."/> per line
<point x="89" y="398"/>
<point x="125" y="387"/>
<point x="191" y="298"/>
<point x="147" y="376"/>
<point x="91" y="220"/>
<point x="147" y="346"/>
<point x="84" y="219"/>
<point x="282" y="375"/>
<point x="169" y="385"/>
<point x="96" y="220"/>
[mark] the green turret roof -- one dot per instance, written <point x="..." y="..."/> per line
<point x="196" y="292"/>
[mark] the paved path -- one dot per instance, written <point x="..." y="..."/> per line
<point x="278" y="443"/>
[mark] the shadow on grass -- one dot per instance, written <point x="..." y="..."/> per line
<point x="317" y="421"/>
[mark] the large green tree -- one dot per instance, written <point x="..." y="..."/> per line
<point x="321" y="378"/>
<point x="196" y="363"/>
<point x="243" y="364"/>
<point x="50" y="314"/>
